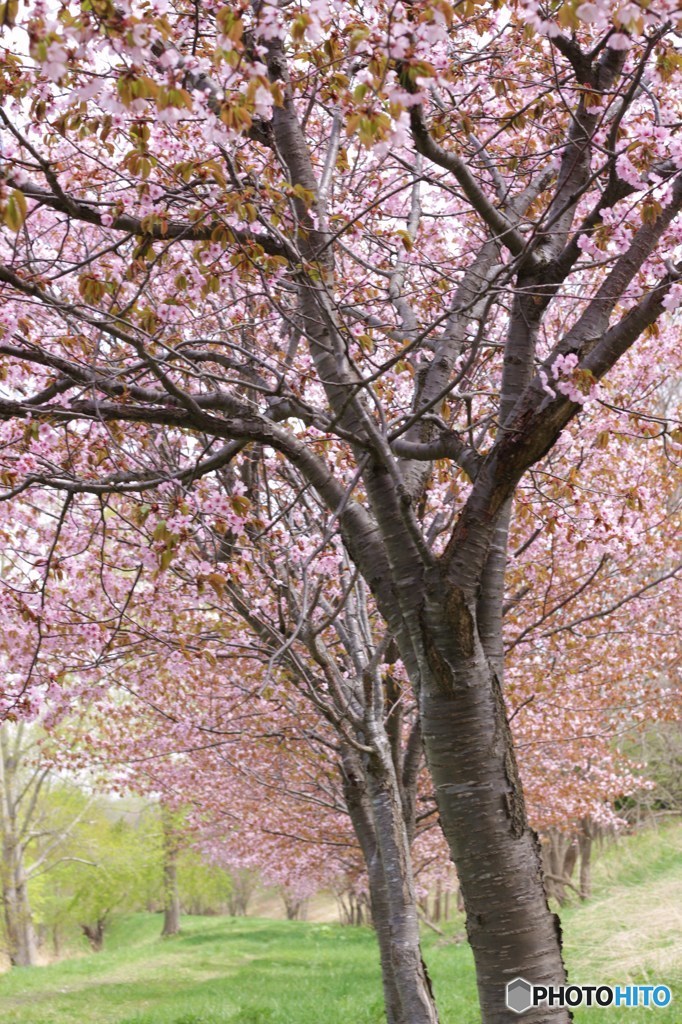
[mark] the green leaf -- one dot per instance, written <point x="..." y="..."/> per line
<point x="16" y="210"/>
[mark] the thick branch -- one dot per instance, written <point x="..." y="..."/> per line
<point x="503" y="229"/>
<point x="447" y="445"/>
<point x="169" y="230"/>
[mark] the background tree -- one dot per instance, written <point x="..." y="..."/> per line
<point x="366" y="721"/>
<point x="171" y="890"/>
<point x="204" y="887"/>
<point x="122" y="855"/>
<point x="37" y="820"/>
<point x="19" y="926"/>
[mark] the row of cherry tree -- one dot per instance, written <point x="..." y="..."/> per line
<point x="339" y="424"/>
<point x="193" y="691"/>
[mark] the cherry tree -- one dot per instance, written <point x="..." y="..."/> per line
<point x="398" y="250"/>
<point x="286" y="732"/>
<point x="148" y="653"/>
<point x="41" y="825"/>
<point x="595" y="566"/>
<point x="201" y="747"/>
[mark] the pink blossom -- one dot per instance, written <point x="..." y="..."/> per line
<point x="564" y="364"/>
<point x="619" y="41"/>
<point x="55" y="65"/>
<point x="545" y="384"/>
<point x="589" y="13"/>
<point x="674" y="297"/>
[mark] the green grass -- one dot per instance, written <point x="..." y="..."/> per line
<point x="256" y="971"/>
<point x="631" y="930"/>
<point x="218" y="970"/>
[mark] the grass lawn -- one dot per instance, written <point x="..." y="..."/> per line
<point x="256" y="971"/>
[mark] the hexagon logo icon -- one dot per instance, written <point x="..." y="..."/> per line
<point x="519" y="995"/>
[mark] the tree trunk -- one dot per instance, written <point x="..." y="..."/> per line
<point x="412" y="980"/>
<point x="171" y="905"/>
<point x="585" y="842"/>
<point x="570" y="858"/>
<point x="467" y="740"/>
<point x="354" y="913"/>
<point x="362" y="825"/>
<point x="239" y="897"/>
<point x="94" y="933"/>
<point x="470" y="755"/>
<point x="380" y="917"/>
<point x="21" y="937"/>
<point x="559" y="852"/>
<point x="171" y="895"/>
<point x="437" y="902"/>
<point x="295" y="907"/>
<point x="376" y="812"/>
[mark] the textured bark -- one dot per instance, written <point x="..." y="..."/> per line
<point x="470" y="754"/>
<point x="517" y="372"/>
<point x="379" y="771"/>
<point x="376" y="811"/>
<point x="380" y="917"/>
<point x="412" y="980"/>
<point x="444" y="612"/>
<point x="361" y="819"/>
<point x="490" y="611"/>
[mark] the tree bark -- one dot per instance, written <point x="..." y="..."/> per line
<point x="171" y="895"/>
<point x="361" y="819"/>
<point x="437" y="902"/>
<point x="171" y="908"/>
<point x="412" y="979"/>
<point x="470" y="754"/>
<point x="570" y="858"/>
<point x="21" y="936"/>
<point x="376" y="812"/>
<point x="559" y="851"/>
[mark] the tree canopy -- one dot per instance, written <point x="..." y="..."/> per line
<point x="308" y="293"/>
